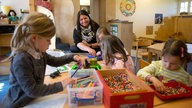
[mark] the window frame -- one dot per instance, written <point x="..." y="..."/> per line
<point x="189" y="8"/>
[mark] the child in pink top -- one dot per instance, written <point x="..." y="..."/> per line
<point x="114" y="54"/>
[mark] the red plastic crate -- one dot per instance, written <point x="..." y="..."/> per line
<point x="174" y="96"/>
<point x="142" y="98"/>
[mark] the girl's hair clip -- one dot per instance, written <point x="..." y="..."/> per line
<point x="182" y="52"/>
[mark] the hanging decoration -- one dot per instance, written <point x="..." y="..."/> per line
<point x="127" y="7"/>
<point x="44" y="3"/>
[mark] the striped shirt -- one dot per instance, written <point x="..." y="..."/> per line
<point x="156" y="69"/>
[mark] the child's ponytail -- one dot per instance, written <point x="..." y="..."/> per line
<point x="176" y="48"/>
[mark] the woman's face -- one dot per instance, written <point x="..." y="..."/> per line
<point x="84" y="20"/>
<point x="171" y="62"/>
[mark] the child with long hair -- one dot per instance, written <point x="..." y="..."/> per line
<point x="174" y="54"/>
<point x="29" y="43"/>
<point x="102" y="31"/>
<point x="114" y="54"/>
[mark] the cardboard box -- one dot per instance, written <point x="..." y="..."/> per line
<point x="86" y="95"/>
<point x="142" y="97"/>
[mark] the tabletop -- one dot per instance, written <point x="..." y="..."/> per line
<point x="157" y="50"/>
<point x="158" y="103"/>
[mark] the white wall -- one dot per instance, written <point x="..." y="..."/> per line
<point x="24" y="4"/>
<point x="16" y="5"/>
<point x="145" y="13"/>
<point x="143" y="16"/>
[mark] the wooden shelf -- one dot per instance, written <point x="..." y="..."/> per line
<point x="5" y="38"/>
<point x="124" y="31"/>
<point x="24" y="11"/>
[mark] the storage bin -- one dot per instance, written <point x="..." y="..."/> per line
<point x="87" y="95"/>
<point x="141" y="97"/>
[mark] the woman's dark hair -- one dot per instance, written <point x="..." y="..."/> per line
<point x="178" y="48"/>
<point x="9" y="14"/>
<point x="91" y="22"/>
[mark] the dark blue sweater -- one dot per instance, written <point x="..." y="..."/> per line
<point x="27" y="78"/>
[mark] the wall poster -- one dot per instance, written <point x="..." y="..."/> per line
<point x="149" y="30"/>
<point x="158" y="18"/>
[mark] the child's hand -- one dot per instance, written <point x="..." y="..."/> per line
<point x="98" y="53"/>
<point x="78" y="59"/>
<point x="67" y="81"/>
<point x="159" y="86"/>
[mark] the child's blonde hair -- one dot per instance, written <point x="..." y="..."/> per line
<point x="35" y="23"/>
<point x="100" y="30"/>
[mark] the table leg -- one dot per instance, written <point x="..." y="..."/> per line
<point x="149" y="56"/>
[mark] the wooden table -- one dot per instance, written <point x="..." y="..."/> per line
<point x="157" y="50"/>
<point x="180" y="103"/>
<point x="158" y="103"/>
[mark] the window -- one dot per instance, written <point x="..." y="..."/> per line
<point x="190" y="6"/>
<point x="185" y="6"/>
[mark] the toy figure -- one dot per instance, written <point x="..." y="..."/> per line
<point x="12" y="16"/>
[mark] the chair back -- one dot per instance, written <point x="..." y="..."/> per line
<point x="143" y="63"/>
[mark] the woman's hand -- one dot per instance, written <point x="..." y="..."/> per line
<point x="92" y="52"/>
<point x="84" y="42"/>
<point x="159" y="86"/>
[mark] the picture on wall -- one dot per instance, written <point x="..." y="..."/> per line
<point x="149" y="30"/>
<point x="127" y="7"/>
<point x="158" y="18"/>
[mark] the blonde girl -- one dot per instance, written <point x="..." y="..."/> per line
<point x="30" y="41"/>
<point x="114" y="55"/>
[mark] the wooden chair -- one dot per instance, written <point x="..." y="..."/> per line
<point x="141" y="47"/>
<point x="143" y="44"/>
<point x="143" y="63"/>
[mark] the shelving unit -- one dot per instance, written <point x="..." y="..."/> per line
<point x="178" y="27"/>
<point x="6" y="33"/>
<point x="124" y="31"/>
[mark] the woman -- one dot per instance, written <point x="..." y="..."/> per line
<point x="84" y="34"/>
